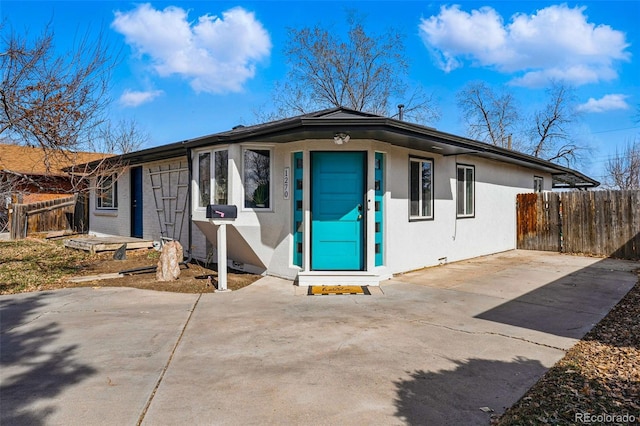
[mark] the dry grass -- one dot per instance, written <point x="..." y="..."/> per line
<point x="36" y="264"/>
<point x="33" y="264"/>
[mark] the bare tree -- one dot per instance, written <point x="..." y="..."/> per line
<point x="49" y="100"/>
<point x="123" y="137"/>
<point x="623" y="170"/>
<point x="120" y="138"/>
<point x="363" y="72"/>
<point x="57" y="102"/>
<point x="551" y="138"/>
<point x="496" y="118"/>
<point x="490" y="117"/>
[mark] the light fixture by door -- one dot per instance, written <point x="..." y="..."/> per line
<point x="341" y="138"/>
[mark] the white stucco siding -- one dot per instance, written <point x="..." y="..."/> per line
<point x="264" y="237"/>
<point x="258" y="237"/>
<point x="414" y="244"/>
<point x="493" y="229"/>
<point x="446" y="238"/>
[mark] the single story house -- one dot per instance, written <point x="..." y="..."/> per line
<point x="336" y="196"/>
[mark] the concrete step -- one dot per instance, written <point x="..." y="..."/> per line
<point x="338" y="278"/>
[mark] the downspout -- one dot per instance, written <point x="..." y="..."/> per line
<point x="189" y="201"/>
<point x="455" y="203"/>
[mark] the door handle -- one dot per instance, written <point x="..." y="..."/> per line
<point x="359" y="207"/>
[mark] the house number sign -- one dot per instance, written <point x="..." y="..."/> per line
<point x="286" y="183"/>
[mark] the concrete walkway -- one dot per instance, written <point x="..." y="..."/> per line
<point x="433" y="347"/>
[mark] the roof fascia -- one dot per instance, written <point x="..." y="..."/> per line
<point x="321" y="121"/>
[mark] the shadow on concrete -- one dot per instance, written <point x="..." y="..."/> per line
<point x="569" y="306"/>
<point x="35" y="368"/>
<point x="457" y="397"/>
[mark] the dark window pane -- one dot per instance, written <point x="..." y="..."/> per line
<point x="257" y="174"/>
<point x="221" y="173"/>
<point x="426" y="188"/>
<point x="460" y="191"/>
<point x="107" y="193"/>
<point x="415" y="188"/>
<point x="204" y="179"/>
<point x="469" y="191"/>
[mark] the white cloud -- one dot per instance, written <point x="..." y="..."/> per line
<point x="606" y="103"/>
<point x="216" y="55"/>
<point x="556" y="42"/>
<point x="133" y="98"/>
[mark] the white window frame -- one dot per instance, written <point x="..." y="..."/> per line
<point x="198" y="188"/>
<point x="212" y="175"/>
<point x="538" y="184"/>
<point x="465" y="206"/>
<point x="100" y="189"/>
<point x="269" y="206"/>
<point x="421" y="200"/>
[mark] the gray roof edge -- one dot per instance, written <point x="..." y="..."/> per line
<point x="488" y="148"/>
<point x="162" y="152"/>
<point x="244" y="132"/>
<point x="323" y="118"/>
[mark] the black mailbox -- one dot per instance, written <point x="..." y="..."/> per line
<point x="221" y="211"/>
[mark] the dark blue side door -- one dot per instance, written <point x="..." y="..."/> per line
<point x="136" y="202"/>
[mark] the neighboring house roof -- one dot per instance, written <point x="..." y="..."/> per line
<point x="360" y="125"/>
<point x="35" y="162"/>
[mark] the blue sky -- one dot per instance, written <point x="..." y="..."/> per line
<point x="191" y="68"/>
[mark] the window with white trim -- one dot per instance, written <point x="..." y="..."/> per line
<point x="107" y="192"/>
<point x="420" y="188"/>
<point x="465" y="191"/>
<point x="213" y="175"/>
<point x="257" y="178"/>
<point x="538" y="184"/>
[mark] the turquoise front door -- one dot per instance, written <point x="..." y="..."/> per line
<point x="337" y="213"/>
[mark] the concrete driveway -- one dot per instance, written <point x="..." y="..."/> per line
<point x="432" y="347"/>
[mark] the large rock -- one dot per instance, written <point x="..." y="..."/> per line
<point x="169" y="263"/>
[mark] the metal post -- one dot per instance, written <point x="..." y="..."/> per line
<point x="222" y="257"/>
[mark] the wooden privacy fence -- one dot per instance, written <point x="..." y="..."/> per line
<point x="539" y="221"/>
<point x="600" y="223"/>
<point x="60" y="214"/>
